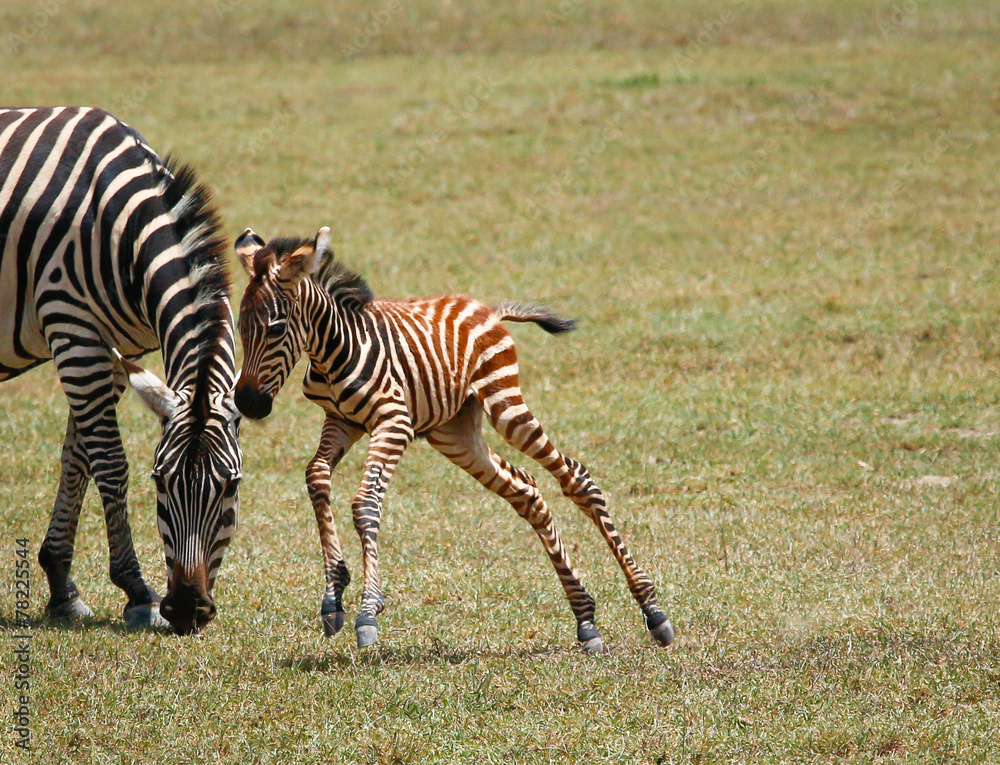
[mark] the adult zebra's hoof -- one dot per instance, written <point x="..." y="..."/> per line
<point x="367" y="635"/>
<point x="333" y="623"/>
<point x="595" y="645"/>
<point x="146" y="617"/>
<point x="71" y="610"/>
<point x="663" y="632"/>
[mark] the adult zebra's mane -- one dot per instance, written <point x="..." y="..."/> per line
<point x="198" y="226"/>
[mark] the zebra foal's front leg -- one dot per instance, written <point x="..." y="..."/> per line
<point x="337" y="439"/>
<point x="388" y="442"/>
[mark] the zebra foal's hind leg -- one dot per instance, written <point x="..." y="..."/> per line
<point x="461" y="441"/>
<point x="508" y="414"/>
<point x="56" y="554"/>
<point x="336" y="440"/>
<point x="578" y="485"/>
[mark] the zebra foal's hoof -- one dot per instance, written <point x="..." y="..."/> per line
<point x="71" y="610"/>
<point x="594" y="646"/>
<point x="146" y="617"/>
<point x="367" y="635"/>
<point x="663" y="632"/>
<point x="590" y="638"/>
<point x="333" y="623"/>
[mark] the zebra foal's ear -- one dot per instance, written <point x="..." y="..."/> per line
<point x="323" y="247"/>
<point x="247" y="246"/>
<point x="150" y="389"/>
<point x="307" y="259"/>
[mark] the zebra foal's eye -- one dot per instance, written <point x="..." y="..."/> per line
<point x="276" y="328"/>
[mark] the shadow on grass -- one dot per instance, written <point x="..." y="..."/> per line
<point x="106" y="623"/>
<point x="435" y="653"/>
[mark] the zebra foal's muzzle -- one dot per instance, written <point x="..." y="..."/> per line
<point x="250" y="400"/>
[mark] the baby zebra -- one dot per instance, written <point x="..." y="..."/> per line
<point x="428" y="367"/>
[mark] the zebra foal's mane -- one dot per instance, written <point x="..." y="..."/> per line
<point x="333" y="276"/>
<point x="338" y="280"/>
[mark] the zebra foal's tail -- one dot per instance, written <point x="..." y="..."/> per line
<point x="510" y="311"/>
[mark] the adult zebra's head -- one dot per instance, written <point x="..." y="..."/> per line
<point x="270" y="324"/>
<point x="197" y="469"/>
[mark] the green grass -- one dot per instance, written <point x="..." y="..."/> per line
<point x="777" y="224"/>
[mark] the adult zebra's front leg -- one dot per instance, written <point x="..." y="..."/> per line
<point x="93" y="387"/>
<point x="337" y="439"/>
<point x="56" y="554"/>
<point x="388" y="442"/>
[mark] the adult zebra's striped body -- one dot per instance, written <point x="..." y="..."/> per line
<point x="399" y="369"/>
<point x="104" y="246"/>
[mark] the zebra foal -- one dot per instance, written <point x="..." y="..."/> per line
<point x="397" y="370"/>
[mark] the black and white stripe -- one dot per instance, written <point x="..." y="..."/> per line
<point x="106" y="246"/>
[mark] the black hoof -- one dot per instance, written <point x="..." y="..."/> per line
<point x="660" y="628"/>
<point x="146" y="617"/>
<point x="333" y="623"/>
<point x="367" y="635"/>
<point x="664" y="634"/>
<point x="71" y="610"/>
<point x="590" y="638"/>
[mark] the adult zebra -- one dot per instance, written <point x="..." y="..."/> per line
<point x="106" y="246"/>
<point x="426" y="367"/>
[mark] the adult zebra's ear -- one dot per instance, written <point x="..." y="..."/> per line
<point x="247" y="245"/>
<point x="229" y="400"/>
<point x="306" y="260"/>
<point x="150" y="389"/>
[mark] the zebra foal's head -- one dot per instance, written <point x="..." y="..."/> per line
<point x="270" y="323"/>
<point x="197" y="469"/>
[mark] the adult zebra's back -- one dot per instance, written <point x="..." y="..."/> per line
<point x="105" y="246"/>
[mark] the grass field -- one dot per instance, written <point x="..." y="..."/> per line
<point x="777" y="224"/>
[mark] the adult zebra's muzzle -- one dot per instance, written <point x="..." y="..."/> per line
<point x="250" y="400"/>
<point x="188" y="606"/>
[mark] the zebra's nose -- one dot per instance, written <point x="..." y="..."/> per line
<point x="250" y="401"/>
<point x="189" y="622"/>
<point x="188" y="608"/>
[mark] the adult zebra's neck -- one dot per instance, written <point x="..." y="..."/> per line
<point x="185" y="286"/>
